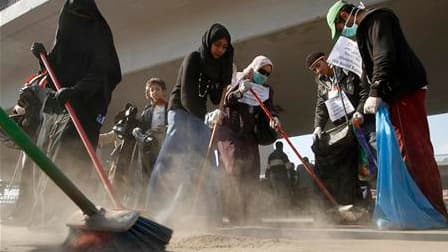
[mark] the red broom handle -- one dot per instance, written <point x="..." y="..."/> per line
<point x="99" y="168"/>
<point x="285" y="136"/>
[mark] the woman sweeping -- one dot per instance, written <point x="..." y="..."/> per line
<point x="243" y="128"/>
<point x="203" y="73"/>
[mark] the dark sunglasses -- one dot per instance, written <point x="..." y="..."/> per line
<point x="264" y="72"/>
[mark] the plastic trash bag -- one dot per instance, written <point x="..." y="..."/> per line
<point x="400" y="204"/>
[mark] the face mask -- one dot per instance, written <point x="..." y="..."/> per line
<point x="258" y="78"/>
<point x="350" y="31"/>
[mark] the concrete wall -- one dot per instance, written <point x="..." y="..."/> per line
<point x="147" y="33"/>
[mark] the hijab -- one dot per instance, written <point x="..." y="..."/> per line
<point x="83" y="37"/>
<point x="220" y="70"/>
<point x="257" y="63"/>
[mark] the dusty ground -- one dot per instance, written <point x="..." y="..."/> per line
<point x="253" y="239"/>
<point x="215" y="243"/>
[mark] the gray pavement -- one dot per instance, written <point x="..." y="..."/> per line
<point x="284" y="235"/>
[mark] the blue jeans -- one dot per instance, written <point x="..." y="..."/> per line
<point x="173" y="182"/>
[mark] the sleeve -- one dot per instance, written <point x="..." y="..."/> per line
<point x="232" y="95"/>
<point x="189" y="75"/>
<point x="381" y="35"/>
<point x="363" y="92"/>
<point x="145" y="119"/>
<point x="321" y="113"/>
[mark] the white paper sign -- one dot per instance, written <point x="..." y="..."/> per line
<point x="335" y="107"/>
<point x="345" y="54"/>
<point x="260" y="90"/>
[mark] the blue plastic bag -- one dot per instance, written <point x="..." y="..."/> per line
<point x="400" y="204"/>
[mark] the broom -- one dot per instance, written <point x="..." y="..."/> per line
<point x="90" y="150"/>
<point x="342" y="210"/>
<point x="203" y="172"/>
<point x="94" y="229"/>
<point x="360" y="135"/>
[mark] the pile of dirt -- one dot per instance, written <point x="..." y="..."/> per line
<point x="222" y="243"/>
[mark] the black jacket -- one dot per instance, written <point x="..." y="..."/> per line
<point x="146" y="116"/>
<point x="84" y="57"/>
<point x="193" y="86"/>
<point x="389" y="62"/>
<point x="246" y="121"/>
<point x="356" y="91"/>
<point x="277" y="160"/>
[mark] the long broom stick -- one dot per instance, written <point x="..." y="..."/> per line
<point x="90" y="150"/>
<point x="286" y="137"/>
<point x="359" y="132"/>
<point x="204" y="171"/>
<point x="23" y="141"/>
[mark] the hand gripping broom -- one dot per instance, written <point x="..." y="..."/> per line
<point x="90" y="150"/>
<point x="96" y="229"/>
<point x="342" y="210"/>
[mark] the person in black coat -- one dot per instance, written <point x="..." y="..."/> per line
<point x="203" y="74"/>
<point x="244" y="127"/>
<point x="153" y="123"/>
<point x="86" y="64"/>
<point x="397" y="77"/>
<point x="329" y="80"/>
<point x="338" y="166"/>
<point x="278" y="163"/>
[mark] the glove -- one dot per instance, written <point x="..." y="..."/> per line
<point x="317" y="133"/>
<point x="37" y="49"/>
<point x="137" y="132"/>
<point x="214" y="117"/>
<point x="245" y="85"/>
<point x="274" y="123"/>
<point x="140" y="137"/>
<point x="19" y="110"/>
<point x="65" y="94"/>
<point x="357" y="118"/>
<point x="371" y="105"/>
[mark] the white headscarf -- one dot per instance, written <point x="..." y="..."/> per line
<point x="257" y="63"/>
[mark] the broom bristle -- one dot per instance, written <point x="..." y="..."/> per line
<point x="144" y="235"/>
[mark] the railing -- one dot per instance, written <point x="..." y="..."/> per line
<point x="6" y="3"/>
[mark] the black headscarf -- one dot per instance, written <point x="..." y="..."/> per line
<point x="220" y="70"/>
<point x="83" y="7"/>
<point x="83" y="40"/>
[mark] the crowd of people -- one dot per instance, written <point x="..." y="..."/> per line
<point x="159" y="162"/>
